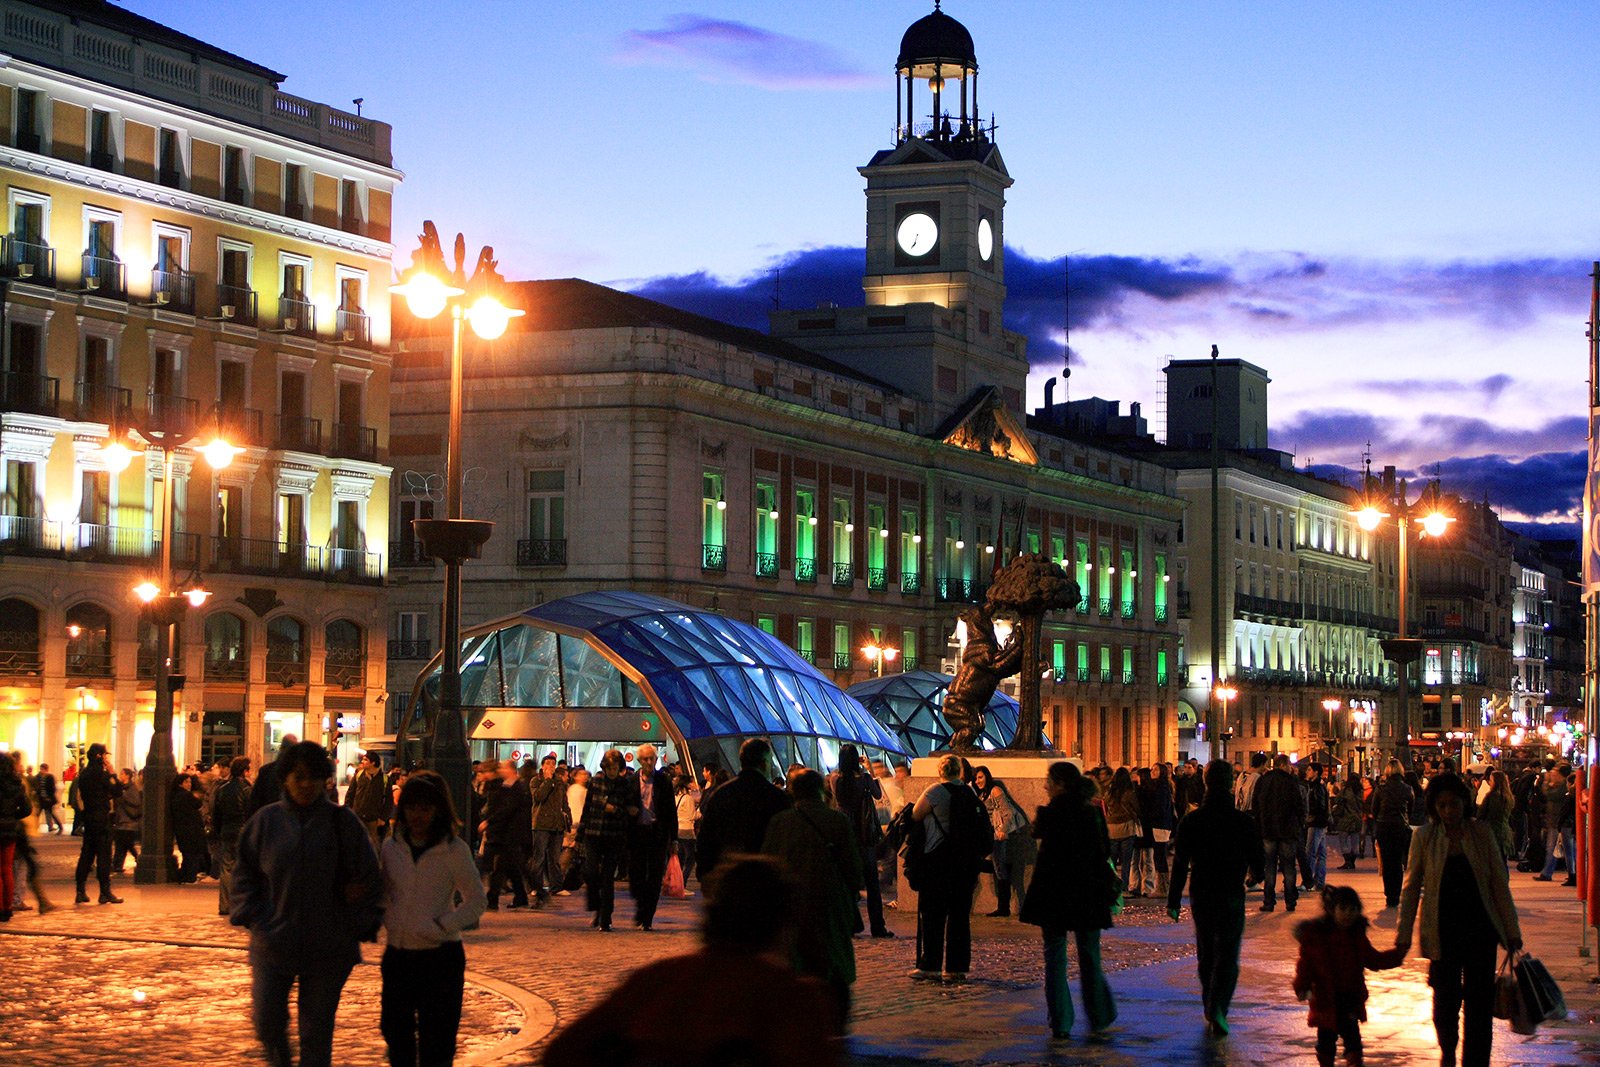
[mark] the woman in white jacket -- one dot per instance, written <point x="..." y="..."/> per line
<point x="1456" y="872"/>
<point x="425" y="864"/>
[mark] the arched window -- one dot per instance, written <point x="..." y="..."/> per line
<point x="346" y="654"/>
<point x="286" y="651"/>
<point x="227" y="648"/>
<point x="19" y="639"/>
<point x="88" y="641"/>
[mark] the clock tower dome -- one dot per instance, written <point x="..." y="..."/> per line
<point x="934" y="283"/>
<point x="936" y="200"/>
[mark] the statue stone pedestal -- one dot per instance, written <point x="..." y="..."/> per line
<point x="1023" y="774"/>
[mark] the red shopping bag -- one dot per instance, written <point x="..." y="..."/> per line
<point x="672" y="881"/>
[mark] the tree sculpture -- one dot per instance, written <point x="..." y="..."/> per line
<point x="1027" y="587"/>
<point x="984" y="662"/>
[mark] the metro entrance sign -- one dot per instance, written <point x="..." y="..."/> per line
<point x="569" y="724"/>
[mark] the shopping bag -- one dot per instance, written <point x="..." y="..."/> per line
<point x="672" y="881"/>
<point x="1540" y="994"/>
<point x="1505" y="990"/>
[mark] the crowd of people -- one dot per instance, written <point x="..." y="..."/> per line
<point x="300" y="866"/>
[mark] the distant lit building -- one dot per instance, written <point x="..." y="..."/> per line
<point x="187" y="246"/>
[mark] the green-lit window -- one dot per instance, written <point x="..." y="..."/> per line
<point x="1130" y="577"/>
<point x="767" y="624"/>
<point x="841" y="646"/>
<point x="843" y="531"/>
<point x="1058" y="659"/>
<point x="1033" y="542"/>
<point x="1127" y="666"/>
<point x="1161" y="666"/>
<point x="1085" y="567"/>
<point x="1161" y="580"/>
<point x="805" y="639"/>
<point x="1105" y="663"/>
<point x="805" y="525"/>
<point x="954" y="548"/>
<point x="1083" y="662"/>
<point x="877" y="538"/>
<point x="908" y="650"/>
<point x="766" y="518"/>
<point x="713" y="510"/>
<point x="1103" y="563"/>
<point x="1058" y="551"/>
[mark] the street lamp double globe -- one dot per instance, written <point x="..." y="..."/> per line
<point x="1403" y="650"/>
<point x="430" y="288"/>
<point x="164" y="603"/>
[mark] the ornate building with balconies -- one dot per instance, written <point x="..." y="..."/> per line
<point x="188" y="250"/>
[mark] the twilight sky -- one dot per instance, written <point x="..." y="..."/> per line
<point x="1388" y="206"/>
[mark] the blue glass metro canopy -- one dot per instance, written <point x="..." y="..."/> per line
<point x="712" y="680"/>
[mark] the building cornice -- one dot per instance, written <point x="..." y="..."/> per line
<point x="148" y="192"/>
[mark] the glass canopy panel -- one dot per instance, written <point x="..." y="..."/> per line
<point x="533" y="679"/>
<point x="480" y="670"/>
<point x="592" y="681"/>
<point x="910" y="707"/>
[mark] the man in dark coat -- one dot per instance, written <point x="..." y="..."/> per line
<point x="268" y="789"/>
<point x="734" y="817"/>
<point x="44" y="789"/>
<point x="507" y="830"/>
<point x="1222" y="846"/>
<point x="229" y="810"/>
<point x="652" y="836"/>
<point x="368" y="796"/>
<point x="1280" y="809"/>
<point x="97" y="788"/>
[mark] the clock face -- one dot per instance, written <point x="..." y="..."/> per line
<point x="985" y="240"/>
<point x="917" y="234"/>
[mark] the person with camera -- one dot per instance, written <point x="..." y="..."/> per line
<point x="98" y="786"/>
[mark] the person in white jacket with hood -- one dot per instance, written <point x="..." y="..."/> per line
<point x="425" y="864"/>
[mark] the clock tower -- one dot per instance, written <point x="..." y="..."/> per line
<point x="934" y="283"/>
<point x="936" y="200"/>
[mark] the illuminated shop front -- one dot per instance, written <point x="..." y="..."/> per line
<point x="585" y="673"/>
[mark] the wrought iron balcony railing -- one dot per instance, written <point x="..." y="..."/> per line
<point x="714" y="558"/>
<point x="297" y="315"/>
<point x="299" y="433"/>
<point x="351" y="441"/>
<point x="31" y="393"/>
<point x="237" y="304"/>
<point x="103" y="276"/>
<point x="843" y="574"/>
<point x="766" y="564"/>
<point x="412" y="648"/>
<point x="107" y="404"/>
<point x="876" y="578"/>
<point x="911" y="582"/>
<point x="805" y="569"/>
<point x="408" y="554"/>
<point x="172" y="289"/>
<point x="542" y="552"/>
<point x="28" y="261"/>
<point x="353" y="326"/>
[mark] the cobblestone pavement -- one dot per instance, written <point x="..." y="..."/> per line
<point x="70" y="978"/>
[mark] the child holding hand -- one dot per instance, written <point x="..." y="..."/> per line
<point x="1335" y="954"/>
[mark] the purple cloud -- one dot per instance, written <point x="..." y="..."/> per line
<point x="1341" y="431"/>
<point x="721" y="50"/>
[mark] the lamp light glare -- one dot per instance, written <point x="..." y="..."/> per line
<point x="1435" y="523"/>
<point x="489" y="317"/>
<point x="117" y="456"/>
<point x="197" y="595"/>
<point x="722" y="505"/>
<point x="960" y="544"/>
<point x="219" y="453"/>
<point x="146" y="591"/>
<point x="849" y="527"/>
<point x="426" y="296"/>
<point x="883" y="533"/>
<point x="916" y="539"/>
<point x="773" y="514"/>
<point x="1368" y="518"/>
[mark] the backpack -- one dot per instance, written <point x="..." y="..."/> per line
<point x="910" y="837"/>
<point x="971" y="831"/>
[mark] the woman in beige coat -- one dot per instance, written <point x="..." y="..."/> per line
<point x="1456" y="871"/>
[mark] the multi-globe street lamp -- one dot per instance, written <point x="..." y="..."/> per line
<point x="879" y="655"/>
<point x="430" y="289"/>
<point x="164" y="604"/>
<point x="1225" y="693"/>
<point x="1402" y="650"/>
<point x="1360" y="722"/>
<point x="1331" y="705"/>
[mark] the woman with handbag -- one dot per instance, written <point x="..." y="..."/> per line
<point x="1122" y="822"/>
<point x="1456" y="871"/>
<point x="427" y="867"/>
<point x="1072" y="890"/>
<point x="1013" y="850"/>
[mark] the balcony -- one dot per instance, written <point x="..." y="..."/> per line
<point x="957" y="590"/>
<point x="236" y="304"/>
<point x="1161" y="613"/>
<point x="241" y="426"/>
<point x="89" y="663"/>
<point x="1083" y="674"/>
<point x="253" y="555"/>
<point x="408" y="554"/>
<point x="31" y="393"/>
<point x="19" y="662"/>
<point x="766" y="564"/>
<point x="297" y="316"/>
<point x="171" y="177"/>
<point x="413" y="648"/>
<point x="1083" y="606"/>
<point x="805" y="569"/>
<point x="1161" y="678"/>
<point x="299" y="433"/>
<point x="351" y="441"/>
<point x="173" y="414"/>
<point x="103" y="276"/>
<point x="108" y="405"/>
<point x="1106" y="676"/>
<point x="114" y="543"/>
<point x="173" y="290"/>
<point x="234" y="193"/>
<point x="344" y="667"/>
<point x="911" y="582"/>
<point x="1127" y="677"/>
<point x="714" y="558"/>
<point x="25" y="535"/>
<point x="843" y="575"/>
<point x="286" y="670"/>
<point x="1127" y="609"/>
<point x="1105" y="607"/>
<point x="808" y="655"/>
<point x="353" y="326"/>
<point x="354" y="565"/>
<point x="29" y="141"/>
<point x="877" y="579"/>
<point x="547" y="552"/>
<point x="230" y="665"/>
<point x="27" y="261"/>
<point x="841" y="661"/>
<point x="101" y="159"/>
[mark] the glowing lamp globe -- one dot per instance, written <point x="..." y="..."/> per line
<point x="117" y="456"/>
<point x="1368" y="518"/>
<point x="426" y="296"/>
<point x="490" y="318"/>
<point x="219" y="453"/>
<point x="147" y="591"/>
<point x="1435" y="523"/>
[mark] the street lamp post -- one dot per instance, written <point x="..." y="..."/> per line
<point x="1331" y="705"/>
<point x="164" y="604"/>
<point x="430" y="288"/>
<point x="1225" y="693"/>
<point x="879" y="654"/>
<point x="1359" y="718"/>
<point x="1402" y="650"/>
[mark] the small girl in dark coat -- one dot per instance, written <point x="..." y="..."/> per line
<point x="1335" y="955"/>
<point x="1072" y="891"/>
